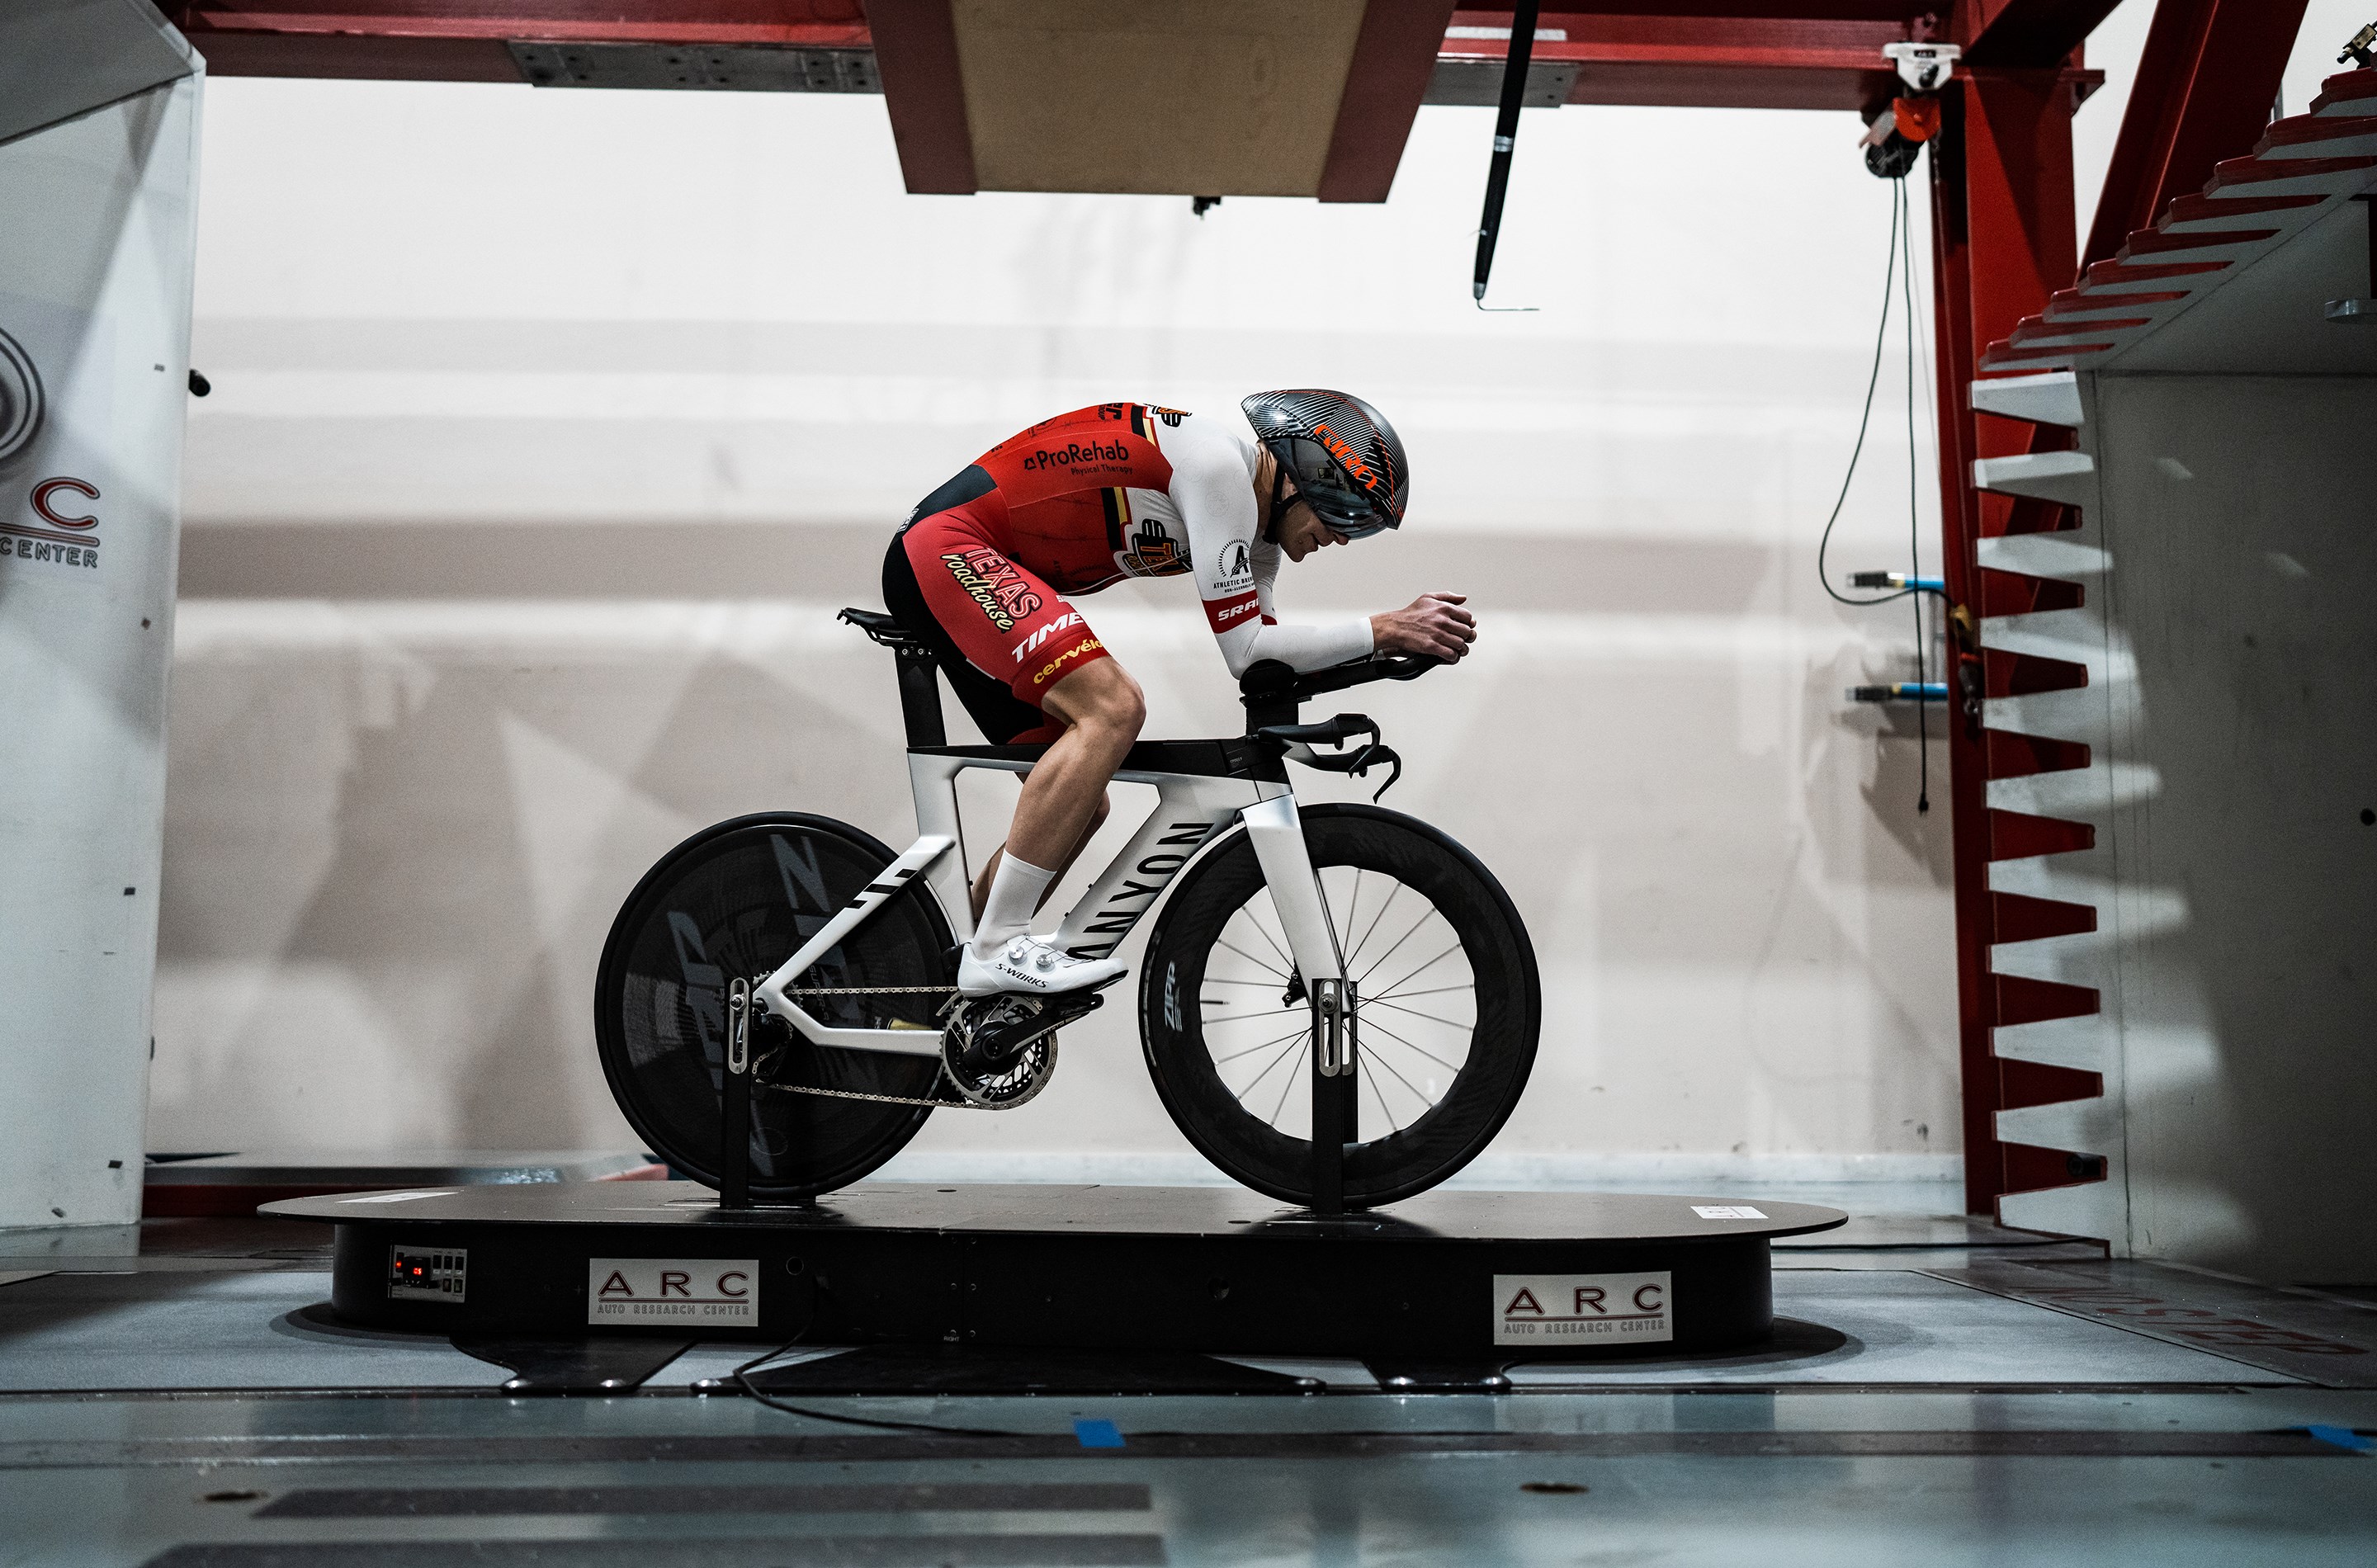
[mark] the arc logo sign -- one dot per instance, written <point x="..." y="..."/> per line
<point x="57" y="524"/>
<point x="700" y="1291"/>
<point x="1553" y="1308"/>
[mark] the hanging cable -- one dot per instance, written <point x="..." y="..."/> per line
<point x="1873" y="381"/>
<point x="1898" y="286"/>
<point x="1904" y="224"/>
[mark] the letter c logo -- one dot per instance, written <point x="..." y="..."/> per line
<point x="728" y="1291"/>
<point x="49" y="487"/>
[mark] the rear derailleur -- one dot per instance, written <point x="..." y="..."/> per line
<point x="999" y="1051"/>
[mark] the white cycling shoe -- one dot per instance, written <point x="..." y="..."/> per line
<point x="1028" y="966"/>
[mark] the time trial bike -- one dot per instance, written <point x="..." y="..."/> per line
<point x="1338" y="1004"/>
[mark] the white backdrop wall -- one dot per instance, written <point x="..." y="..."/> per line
<point x="549" y="429"/>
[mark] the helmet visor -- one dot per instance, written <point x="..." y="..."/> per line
<point x="1322" y="485"/>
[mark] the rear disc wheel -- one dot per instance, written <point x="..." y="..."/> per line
<point x="737" y="899"/>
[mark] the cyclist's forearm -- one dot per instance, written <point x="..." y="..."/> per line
<point x="1298" y="647"/>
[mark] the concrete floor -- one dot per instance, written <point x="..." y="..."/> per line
<point x="1943" y="1392"/>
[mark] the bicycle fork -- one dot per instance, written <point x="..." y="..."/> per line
<point x="1277" y="834"/>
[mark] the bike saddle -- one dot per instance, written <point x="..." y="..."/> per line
<point x="883" y="628"/>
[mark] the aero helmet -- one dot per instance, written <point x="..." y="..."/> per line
<point x="1344" y="456"/>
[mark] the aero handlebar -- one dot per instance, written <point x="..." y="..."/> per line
<point x="1270" y="683"/>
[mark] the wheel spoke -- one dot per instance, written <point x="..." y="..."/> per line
<point x="1273" y="1013"/>
<point x="1354" y="909"/>
<point x="1394" y="990"/>
<point x="1379" y="1094"/>
<point x="1408" y="1082"/>
<point x="1422" y="968"/>
<point x="1448" y="1022"/>
<point x="1399" y="943"/>
<point x="1393" y="893"/>
<point x="1256" y="921"/>
<point x="1240" y="1095"/>
<point x="1250" y="958"/>
<point x="1286" y="1089"/>
<point x="1407" y="1044"/>
<point x="1251" y="1049"/>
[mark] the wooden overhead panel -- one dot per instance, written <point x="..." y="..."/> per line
<point x="1221" y="98"/>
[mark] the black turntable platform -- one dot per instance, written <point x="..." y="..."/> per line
<point x="1450" y="1274"/>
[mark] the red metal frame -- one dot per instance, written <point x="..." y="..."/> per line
<point x="2206" y="84"/>
<point x="916" y="55"/>
<point x="2004" y="243"/>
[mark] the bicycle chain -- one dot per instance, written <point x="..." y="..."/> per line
<point x="959" y="1103"/>
<point x="854" y="1094"/>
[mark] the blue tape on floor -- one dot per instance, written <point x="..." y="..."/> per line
<point x="2343" y="1437"/>
<point x="1105" y="1434"/>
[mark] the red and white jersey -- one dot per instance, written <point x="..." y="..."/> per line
<point x="1123" y="490"/>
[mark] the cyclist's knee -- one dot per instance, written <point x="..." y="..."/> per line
<point x="1101" y="698"/>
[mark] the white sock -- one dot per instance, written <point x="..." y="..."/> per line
<point x="1014" y="896"/>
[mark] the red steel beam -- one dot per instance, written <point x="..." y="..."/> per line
<point x="2206" y="85"/>
<point x="917" y="57"/>
<point x="818" y="23"/>
<point x="2024" y="33"/>
<point x="1395" y="56"/>
<point x="1812" y="54"/>
<point x="1646" y="55"/>
<point x="2004" y="239"/>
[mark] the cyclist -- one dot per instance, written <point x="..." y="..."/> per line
<point x="981" y="570"/>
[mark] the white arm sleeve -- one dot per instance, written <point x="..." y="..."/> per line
<point x="1213" y="475"/>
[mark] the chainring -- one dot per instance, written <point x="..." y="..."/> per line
<point x="999" y="1051"/>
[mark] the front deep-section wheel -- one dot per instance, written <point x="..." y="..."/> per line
<point x="1447" y="1008"/>
<point x="739" y="898"/>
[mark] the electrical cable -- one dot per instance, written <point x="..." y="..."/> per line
<point x="1873" y="381"/>
<point x="1898" y="280"/>
<point x="743" y="1381"/>
<point x="1904" y="224"/>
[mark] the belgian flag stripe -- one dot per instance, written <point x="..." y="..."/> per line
<point x="1118" y="511"/>
<point x="1138" y="421"/>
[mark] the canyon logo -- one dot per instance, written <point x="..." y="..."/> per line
<point x="59" y="529"/>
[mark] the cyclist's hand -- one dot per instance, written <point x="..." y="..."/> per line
<point x="1435" y="624"/>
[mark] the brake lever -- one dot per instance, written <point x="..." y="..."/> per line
<point x="1376" y="751"/>
<point x="1358" y="763"/>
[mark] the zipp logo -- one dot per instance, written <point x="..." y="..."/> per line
<point x="1031" y="643"/>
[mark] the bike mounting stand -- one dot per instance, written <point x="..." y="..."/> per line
<point x="1335" y="1113"/>
<point x="734" y="1103"/>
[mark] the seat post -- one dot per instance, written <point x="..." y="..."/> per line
<point x="920" y="697"/>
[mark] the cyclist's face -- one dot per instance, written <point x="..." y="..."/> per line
<point x="1301" y="533"/>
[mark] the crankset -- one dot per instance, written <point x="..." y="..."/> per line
<point x="999" y="1051"/>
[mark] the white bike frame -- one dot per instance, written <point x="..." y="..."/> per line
<point x="1190" y="810"/>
